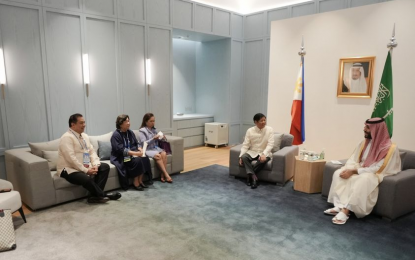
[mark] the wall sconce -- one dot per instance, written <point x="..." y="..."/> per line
<point x="86" y="72"/>
<point x="2" y="73"/>
<point x="148" y="75"/>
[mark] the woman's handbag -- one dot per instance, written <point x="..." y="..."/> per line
<point x="165" y="146"/>
<point x="7" y="237"/>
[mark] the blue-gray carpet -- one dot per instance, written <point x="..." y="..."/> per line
<point x="205" y="214"/>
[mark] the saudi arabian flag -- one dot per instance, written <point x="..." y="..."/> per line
<point x="384" y="100"/>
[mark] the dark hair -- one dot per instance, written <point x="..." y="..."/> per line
<point x="120" y="120"/>
<point x="73" y="119"/>
<point x="146" y="117"/>
<point x="258" y="116"/>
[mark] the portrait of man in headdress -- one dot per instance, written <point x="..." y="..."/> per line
<point x="355" y="77"/>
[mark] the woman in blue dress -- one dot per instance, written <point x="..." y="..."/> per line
<point x="148" y="133"/>
<point x="126" y="155"/>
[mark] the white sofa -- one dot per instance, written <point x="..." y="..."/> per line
<point x="32" y="171"/>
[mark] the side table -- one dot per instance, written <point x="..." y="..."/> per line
<point x="308" y="176"/>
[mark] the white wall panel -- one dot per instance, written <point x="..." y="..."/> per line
<point x="234" y="134"/>
<point x="131" y="10"/>
<point x="103" y="95"/>
<point x="159" y="51"/>
<point x="203" y="18"/>
<point x="266" y="76"/>
<point x="254" y="26"/>
<point x="25" y="91"/>
<point x="355" y="3"/>
<point x="64" y="63"/>
<point x="132" y="72"/>
<point x="277" y="14"/>
<point x="303" y="9"/>
<point x="103" y="7"/>
<point x="253" y="78"/>
<point x="222" y="23"/>
<point x="158" y="12"/>
<point x="183" y="14"/>
<point x="64" y="4"/>
<point x="332" y="5"/>
<point x="35" y="2"/>
<point x="237" y="26"/>
<point x="236" y="81"/>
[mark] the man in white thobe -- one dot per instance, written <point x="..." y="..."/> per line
<point x="356" y="82"/>
<point x="355" y="186"/>
<point x="257" y="146"/>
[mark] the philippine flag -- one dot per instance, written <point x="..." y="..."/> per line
<point x="297" y="109"/>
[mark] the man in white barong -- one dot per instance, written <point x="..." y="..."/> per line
<point x="355" y="186"/>
<point x="356" y="82"/>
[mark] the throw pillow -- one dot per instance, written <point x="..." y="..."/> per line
<point x="104" y="150"/>
<point x="95" y="138"/>
<point x="277" y="142"/>
<point x="52" y="157"/>
<point x="37" y="148"/>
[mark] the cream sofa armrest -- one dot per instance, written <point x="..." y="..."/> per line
<point x="5" y="185"/>
<point x="30" y="175"/>
<point x="177" y="151"/>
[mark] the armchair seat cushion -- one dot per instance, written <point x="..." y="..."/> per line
<point x="10" y="200"/>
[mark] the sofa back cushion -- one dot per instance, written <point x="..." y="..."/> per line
<point x="277" y="142"/>
<point x="287" y="140"/>
<point x="37" y="148"/>
<point x="52" y="158"/>
<point x="104" y="150"/>
<point x="409" y="159"/>
<point x="102" y="138"/>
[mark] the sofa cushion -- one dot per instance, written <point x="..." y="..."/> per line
<point x="52" y="158"/>
<point x="103" y="138"/>
<point x="104" y="150"/>
<point x="61" y="183"/>
<point x="402" y="155"/>
<point x="277" y="142"/>
<point x="37" y="148"/>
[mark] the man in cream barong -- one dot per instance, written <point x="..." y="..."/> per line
<point x="355" y="186"/>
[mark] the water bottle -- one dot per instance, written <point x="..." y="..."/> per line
<point x="322" y="155"/>
<point x="302" y="153"/>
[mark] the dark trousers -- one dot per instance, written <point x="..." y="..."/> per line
<point x="247" y="160"/>
<point x="95" y="185"/>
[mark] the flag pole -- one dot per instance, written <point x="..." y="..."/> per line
<point x="392" y="44"/>
<point x="302" y="52"/>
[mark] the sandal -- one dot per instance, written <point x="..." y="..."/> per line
<point x="170" y="180"/>
<point x="333" y="211"/>
<point x="340" y="218"/>
<point x="162" y="180"/>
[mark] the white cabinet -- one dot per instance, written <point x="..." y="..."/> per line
<point x="191" y="127"/>
<point x="216" y="134"/>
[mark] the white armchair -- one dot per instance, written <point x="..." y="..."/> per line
<point x="10" y="200"/>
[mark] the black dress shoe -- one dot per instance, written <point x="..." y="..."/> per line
<point x="139" y="188"/>
<point x="254" y="184"/>
<point x="149" y="183"/>
<point x="248" y="180"/>
<point x="143" y="185"/>
<point x="97" y="199"/>
<point x="114" y="195"/>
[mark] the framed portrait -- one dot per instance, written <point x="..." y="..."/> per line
<point x="356" y="77"/>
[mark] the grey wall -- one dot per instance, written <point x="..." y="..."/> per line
<point x="184" y="76"/>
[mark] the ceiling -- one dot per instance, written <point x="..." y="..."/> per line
<point x="249" y="6"/>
